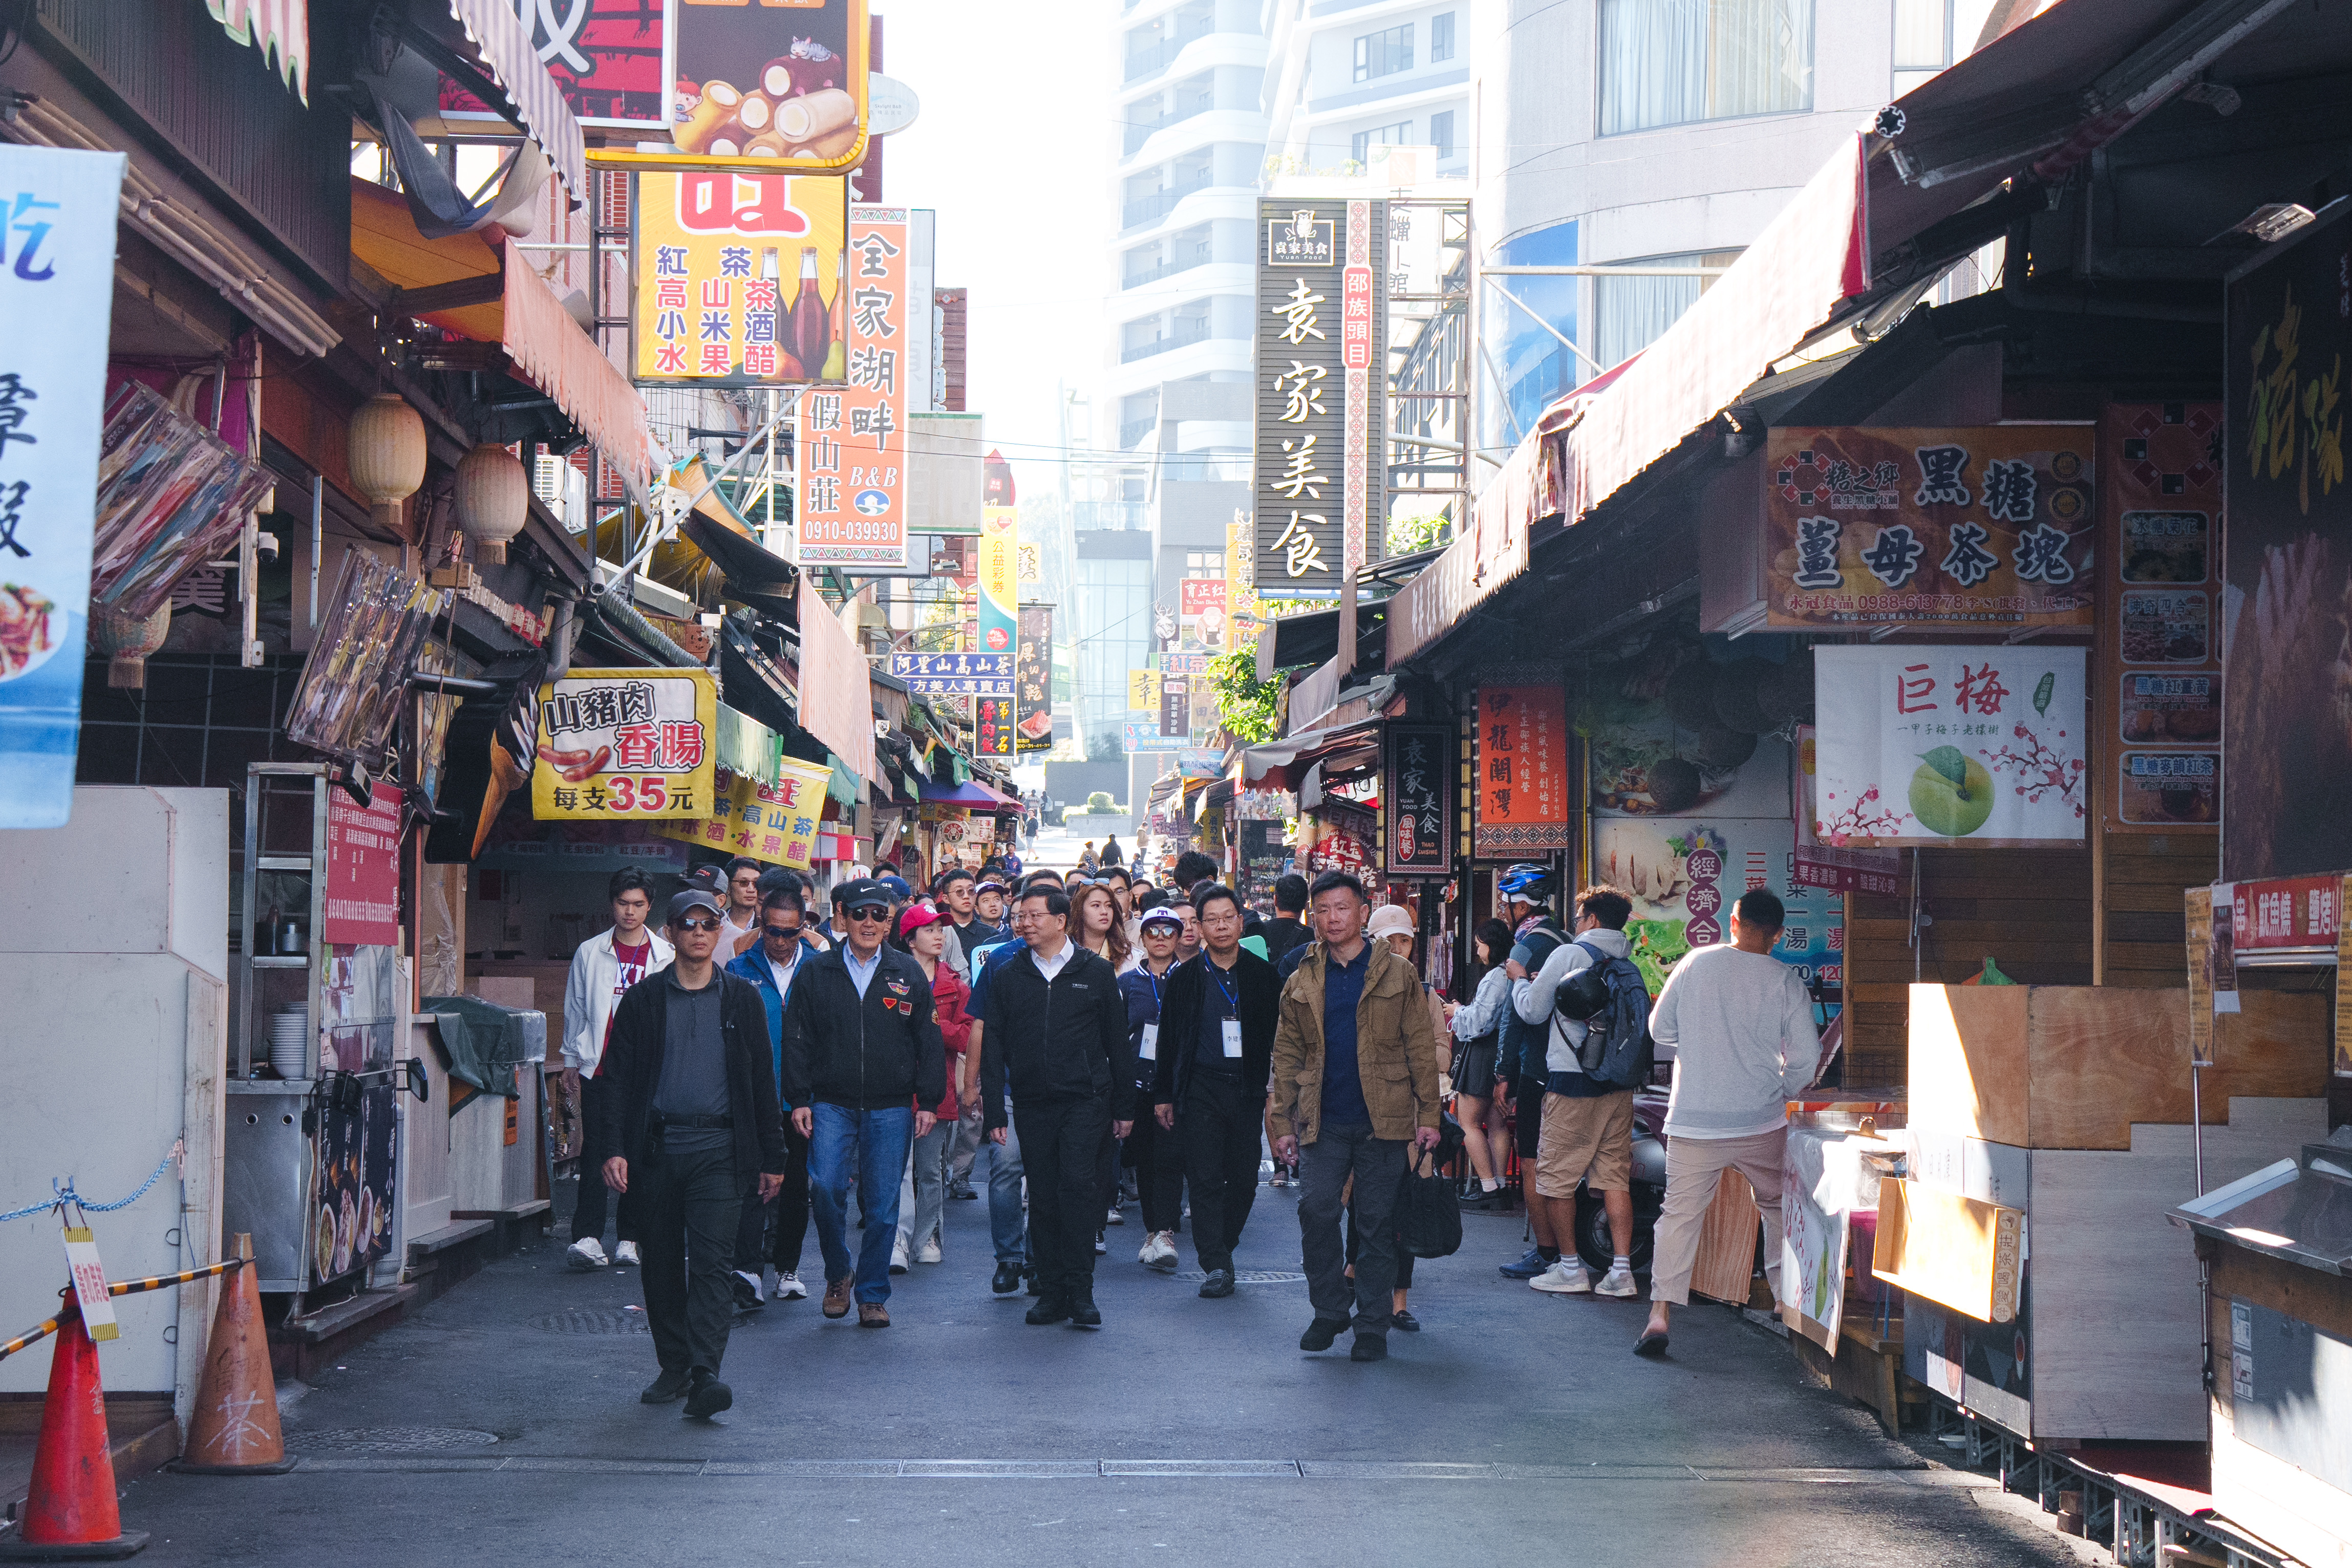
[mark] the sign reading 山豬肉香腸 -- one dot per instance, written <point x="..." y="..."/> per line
<point x="625" y="746"/>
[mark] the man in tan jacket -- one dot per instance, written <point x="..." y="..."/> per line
<point x="1355" y="1086"/>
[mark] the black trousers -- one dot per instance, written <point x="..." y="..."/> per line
<point x="782" y="1222"/>
<point x="1159" y="1157"/>
<point x="1356" y="1247"/>
<point x="1061" y="1147"/>
<point x="1325" y="1166"/>
<point x="588" y="1213"/>
<point x="687" y="1205"/>
<point x="1218" y="1123"/>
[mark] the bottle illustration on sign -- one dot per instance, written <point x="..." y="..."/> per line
<point x="812" y="327"/>
<point x="836" y="359"/>
<point x="788" y="367"/>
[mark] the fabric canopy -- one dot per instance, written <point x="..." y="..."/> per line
<point x="970" y="792"/>
<point x="1283" y="764"/>
<point x="836" y="690"/>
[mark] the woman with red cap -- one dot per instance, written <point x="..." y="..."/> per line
<point x="924" y="931"/>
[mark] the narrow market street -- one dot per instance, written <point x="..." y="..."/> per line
<point x="502" y="1423"/>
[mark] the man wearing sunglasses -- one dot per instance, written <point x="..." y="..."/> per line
<point x="772" y="966"/>
<point x="689" y="1111"/>
<point x="864" y="1064"/>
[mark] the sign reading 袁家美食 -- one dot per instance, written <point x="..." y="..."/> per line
<point x="1926" y="745"/>
<point x="625" y="746"/>
<point x="739" y="278"/>
<point x="851" y="452"/>
<point x="1992" y="524"/>
<point x="1416" y="793"/>
<point x="1321" y="472"/>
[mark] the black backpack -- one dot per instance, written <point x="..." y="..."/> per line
<point x="1611" y="999"/>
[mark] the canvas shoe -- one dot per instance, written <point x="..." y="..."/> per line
<point x="1159" y="1253"/>
<point x="1617" y="1282"/>
<point x="789" y="1289"/>
<point x="1565" y="1277"/>
<point x="1529" y="1264"/>
<point x="899" y="1263"/>
<point x="929" y="1252"/>
<point x="585" y="1254"/>
<point x="625" y="1255"/>
<point x="1115" y="1217"/>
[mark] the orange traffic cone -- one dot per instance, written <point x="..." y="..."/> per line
<point x="71" y="1510"/>
<point x="233" y="1430"/>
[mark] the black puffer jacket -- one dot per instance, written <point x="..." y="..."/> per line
<point x="879" y="1052"/>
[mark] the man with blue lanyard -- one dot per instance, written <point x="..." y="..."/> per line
<point x="772" y="965"/>
<point x="1159" y="1157"/>
<point x="1008" y="1220"/>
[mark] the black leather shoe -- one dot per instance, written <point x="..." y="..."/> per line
<point x="1085" y="1315"/>
<point x="1220" y="1282"/>
<point x="1030" y="1277"/>
<point x="1007" y="1281"/>
<point x="1321" y="1332"/>
<point x="1049" y="1309"/>
<point x="1405" y="1320"/>
<point x="669" y="1385"/>
<point x="1370" y="1347"/>
<point x="709" y="1396"/>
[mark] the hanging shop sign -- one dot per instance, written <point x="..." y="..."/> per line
<point x="1143" y="691"/>
<point x="776" y="822"/>
<point x="2159" y="657"/>
<point x="605" y="57"/>
<point x="356" y="676"/>
<point x="851" y="447"/>
<point x="1336" y="836"/>
<point x="56" y="293"/>
<point x="1416" y="793"/>
<point x="1927" y="744"/>
<point x="1033" y="699"/>
<point x="362" y="868"/>
<point x="1990" y="524"/>
<point x="172" y="496"/>
<point x="626" y="745"/>
<point x="2288" y="563"/>
<point x="751" y="86"/>
<point x="1201" y="614"/>
<point x="997" y="625"/>
<point x="2299" y="914"/>
<point x="1143" y="735"/>
<point x="1176" y="706"/>
<point x="739" y="278"/>
<point x="1826" y="863"/>
<point x="955" y="675"/>
<point x="1321" y="472"/>
<point x="1524" y="804"/>
<point x="1243" y="614"/>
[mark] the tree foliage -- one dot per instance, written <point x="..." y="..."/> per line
<point x="1245" y="704"/>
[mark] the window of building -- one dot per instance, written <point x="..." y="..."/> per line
<point x="1204" y="564"/>
<point x="1628" y="313"/>
<point x="1441" y="133"/>
<point x="1360" y="145"/>
<point x="1923" y="41"/>
<point x="1670" y="62"/>
<point x="1440" y="36"/>
<point x="1384" y="53"/>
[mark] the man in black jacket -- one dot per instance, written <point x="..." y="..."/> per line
<point x="1055" y="1023"/>
<point x="1216" y="1041"/>
<point x="864" y="1064"/>
<point x="1287" y="929"/>
<point x="691" y="1102"/>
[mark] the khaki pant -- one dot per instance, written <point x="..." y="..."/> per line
<point x="1695" y="1168"/>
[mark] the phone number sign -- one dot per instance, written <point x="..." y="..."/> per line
<point x="634" y="745"/>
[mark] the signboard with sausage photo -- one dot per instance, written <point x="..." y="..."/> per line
<point x="625" y="744"/>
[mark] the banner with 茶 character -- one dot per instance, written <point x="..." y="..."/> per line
<point x="775" y="822"/>
<point x="1992" y="524"/>
<point x="740" y="278"/>
<point x="626" y="746"/>
<point x="1929" y="744"/>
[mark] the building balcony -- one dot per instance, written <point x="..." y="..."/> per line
<point x="1150" y="209"/>
<point x="1184" y="333"/>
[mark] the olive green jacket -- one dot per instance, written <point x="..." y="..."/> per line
<point x="1396" y="1056"/>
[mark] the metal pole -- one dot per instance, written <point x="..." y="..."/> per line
<point x="318" y="539"/>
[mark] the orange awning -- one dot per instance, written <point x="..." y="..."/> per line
<point x="385" y="236"/>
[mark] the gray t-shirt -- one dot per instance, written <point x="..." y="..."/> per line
<point x="694" y="1066"/>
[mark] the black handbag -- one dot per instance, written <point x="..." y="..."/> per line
<point x="1429" y="1215"/>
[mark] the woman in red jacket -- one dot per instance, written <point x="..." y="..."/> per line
<point x="923" y="931"/>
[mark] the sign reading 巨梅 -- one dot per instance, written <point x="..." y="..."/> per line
<point x="626" y="746"/>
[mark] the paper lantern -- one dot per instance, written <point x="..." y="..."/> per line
<point x="493" y="498"/>
<point x="388" y="455"/>
<point x="126" y="640"/>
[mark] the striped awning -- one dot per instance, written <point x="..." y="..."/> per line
<point x="504" y="44"/>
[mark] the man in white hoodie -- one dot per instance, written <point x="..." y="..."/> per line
<point x="602" y="968"/>
<point x="1588" y="1125"/>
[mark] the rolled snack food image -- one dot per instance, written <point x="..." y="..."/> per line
<point x="717" y="106"/>
<point x="729" y="141"/>
<point x="831" y="144"/>
<point x="767" y="145"/>
<point x="756" y="113"/>
<point x="816" y="115"/>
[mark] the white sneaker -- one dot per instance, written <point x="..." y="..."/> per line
<point x="789" y="1289"/>
<point x="1114" y="1218"/>
<point x="1564" y="1278"/>
<point x="929" y="1252"/>
<point x="1617" y="1282"/>
<point x="753" y="1282"/>
<point x="899" y="1263"/>
<point x="625" y="1255"/>
<point x="585" y="1254"/>
<point x="1159" y="1253"/>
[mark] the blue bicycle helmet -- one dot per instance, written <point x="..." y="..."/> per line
<point x="1526" y="882"/>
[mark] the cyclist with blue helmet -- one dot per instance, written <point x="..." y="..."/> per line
<point x="1520" y="1067"/>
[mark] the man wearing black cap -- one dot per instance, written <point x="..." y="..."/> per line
<point x="690" y="1104"/>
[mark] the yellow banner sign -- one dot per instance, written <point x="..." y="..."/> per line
<point x="625" y="746"/>
<point x="1143" y="691"/>
<point x="774" y="822"/>
<point x="740" y="278"/>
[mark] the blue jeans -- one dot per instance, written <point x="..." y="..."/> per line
<point x="1008" y="1225"/>
<point x="877" y="1141"/>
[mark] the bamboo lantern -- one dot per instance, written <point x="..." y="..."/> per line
<point x="388" y="455"/>
<point x="126" y="640"/>
<point x="493" y="499"/>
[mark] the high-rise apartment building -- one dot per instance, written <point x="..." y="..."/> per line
<point x="1342" y="80"/>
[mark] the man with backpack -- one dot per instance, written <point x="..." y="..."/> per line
<point x="1596" y="1010"/>
<point x="1520" y="1067"/>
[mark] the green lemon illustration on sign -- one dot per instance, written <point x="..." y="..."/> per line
<point x="1951" y="794"/>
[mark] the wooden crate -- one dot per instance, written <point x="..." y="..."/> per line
<point x="2287" y="1504"/>
<point x="2072" y="1067"/>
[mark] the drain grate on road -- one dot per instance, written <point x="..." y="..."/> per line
<point x="389" y="1440"/>
<point x="588" y="1320"/>
<point x="1251" y="1277"/>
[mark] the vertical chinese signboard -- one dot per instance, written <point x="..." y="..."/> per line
<point x="1992" y="524"/>
<point x="1176" y="705"/>
<point x="1242" y="612"/>
<point x="2159" y="644"/>
<point x="852" y="448"/>
<point x="1032" y="681"/>
<point x="1321" y="477"/>
<point x="625" y="746"/>
<point x="56" y="293"/>
<point x="2288" y="563"/>
<point x="1926" y="745"/>
<point x="362" y="868"/>
<point x="1524" y="802"/>
<point x="1416" y="792"/>
<point x="738" y="280"/>
<point x="999" y="625"/>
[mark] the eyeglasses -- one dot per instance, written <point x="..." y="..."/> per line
<point x="708" y="923"/>
<point x="780" y="933"/>
<point x="870" y="911"/>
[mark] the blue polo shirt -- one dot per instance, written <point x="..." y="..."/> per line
<point x="1343" y="1084"/>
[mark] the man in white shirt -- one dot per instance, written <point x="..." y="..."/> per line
<point x="602" y="968"/>
<point x="1741" y="1027"/>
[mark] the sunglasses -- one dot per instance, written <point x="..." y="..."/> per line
<point x="780" y="933"/>
<point x="706" y="923"/>
<point x="870" y="911"/>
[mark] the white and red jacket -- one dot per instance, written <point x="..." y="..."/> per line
<point x="590" y="993"/>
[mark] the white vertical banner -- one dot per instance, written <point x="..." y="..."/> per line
<point x="1934" y="744"/>
<point x="57" y="212"/>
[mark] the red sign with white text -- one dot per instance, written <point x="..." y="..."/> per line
<point x="362" y="870"/>
<point x="2285" y="913"/>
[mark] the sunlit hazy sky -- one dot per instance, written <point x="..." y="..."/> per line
<point x="1013" y="150"/>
